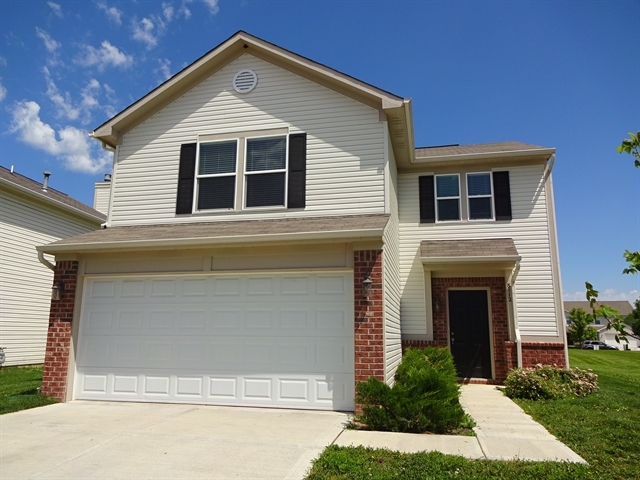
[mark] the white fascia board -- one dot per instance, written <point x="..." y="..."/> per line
<point x="476" y="259"/>
<point x="46" y="200"/>
<point x="207" y="241"/>
<point x="491" y="155"/>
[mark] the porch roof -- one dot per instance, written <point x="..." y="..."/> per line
<point x="469" y="250"/>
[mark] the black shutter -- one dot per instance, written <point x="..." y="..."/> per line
<point x="184" y="203"/>
<point x="297" y="170"/>
<point x="427" y="200"/>
<point x="502" y="194"/>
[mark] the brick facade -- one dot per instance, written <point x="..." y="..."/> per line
<point x="56" y="362"/>
<point x="369" y="316"/>
<point x="504" y="351"/>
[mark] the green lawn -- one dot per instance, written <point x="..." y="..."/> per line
<point x="603" y="428"/>
<point x="18" y="389"/>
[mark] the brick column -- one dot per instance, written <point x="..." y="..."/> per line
<point x="369" y="317"/>
<point x="56" y="360"/>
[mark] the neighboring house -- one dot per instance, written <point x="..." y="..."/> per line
<point x="274" y="236"/>
<point x="623" y="307"/>
<point x="31" y="215"/>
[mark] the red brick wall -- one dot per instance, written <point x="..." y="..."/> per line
<point x="533" y="353"/>
<point x="369" y="316"/>
<point x="56" y="361"/>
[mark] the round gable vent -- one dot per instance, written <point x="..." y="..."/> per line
<point x="245" y="81"/>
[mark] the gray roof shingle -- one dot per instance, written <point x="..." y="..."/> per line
<point x="622" y="306"/>
<point x="51" y="195"/>
<point x="118" y="237"/>
<point x="494" y="247"/>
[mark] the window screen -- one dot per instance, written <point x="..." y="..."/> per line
<point x="448" y="197"/>
<point x="217" y="175"/>
<point x="266" y="162"/>
<point x="480" y="196"/>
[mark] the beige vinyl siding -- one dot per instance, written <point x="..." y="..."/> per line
<point x="345" y="145"/>
<point x="25" y="283"/>
<point x="101" y="196"/>
<point x="529" y="229"/>
<point x="391" y="273"/>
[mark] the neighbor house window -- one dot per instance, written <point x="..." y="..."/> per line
<point x="266" y="172"/>
<point x="216" y="175"/>
<point x="448" y="197"/>
<point x="480" y="196"/>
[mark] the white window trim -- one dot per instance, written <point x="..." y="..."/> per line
<point x="469" y="197"/>
<point x="435" y="194"/>
<point x="284" y="170"/>
<point x="240" y="185"/>
<point x="198" y="176"/>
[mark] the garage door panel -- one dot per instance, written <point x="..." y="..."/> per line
<point x="281" y="339"/>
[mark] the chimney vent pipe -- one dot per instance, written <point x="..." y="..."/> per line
<point x="45" y="182"/>
<point x="107" y="177"/>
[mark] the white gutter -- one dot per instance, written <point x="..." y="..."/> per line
<point x="105" y="146"/>
<point x="516" y="327"/>
<point x="44" y="261"/>
<point x="479" y="156"/>
<point x="208" y="241"/>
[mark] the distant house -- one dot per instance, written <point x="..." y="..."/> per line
<point x="624" y="308"/>
<point x="274" y="236"/>
<point x="31" y="214"/>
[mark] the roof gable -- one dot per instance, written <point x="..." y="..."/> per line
<point x="396" y="109"/>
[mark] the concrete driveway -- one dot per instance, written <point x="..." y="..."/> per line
<point x="88" y="440"/>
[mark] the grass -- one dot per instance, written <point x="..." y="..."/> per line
<point x="18" y="389"/>
<point x="602" y="428"/>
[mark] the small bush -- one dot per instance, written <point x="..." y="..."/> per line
<point x="424" y="397"/>
<point x="549" y="382"/>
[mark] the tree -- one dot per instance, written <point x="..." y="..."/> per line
<point x="615" y="322"/>
<point x="580" y="328"/>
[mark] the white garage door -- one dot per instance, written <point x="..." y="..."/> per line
<point x="271" y="340"/>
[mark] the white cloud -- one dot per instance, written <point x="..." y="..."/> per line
<point x="49" y="43"/>
<point x="143" y="31"/>
<point x="608" y="294"/>
<point x="164" y="67"/>
<point x="61" y="101"/>
<point x="168" y="11"/>
<point x="212" y="5"/>
<point x="184" y="10"/>
<point x="3" y="92"/>
<point x="105" y="56"/>
<point x="3" y="61"/>
<point x="112" y="13"/>
<point x="57" y="9"/>
<point x="69" y="144"/>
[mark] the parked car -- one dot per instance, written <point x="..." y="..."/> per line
<point x="591" y="344"/>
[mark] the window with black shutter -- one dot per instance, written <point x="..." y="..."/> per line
<point x="502" y="195"/>
<point x="212" y="176"/>
<point x="427" y="199"/>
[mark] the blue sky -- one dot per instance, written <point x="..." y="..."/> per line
<point x="563" y="74"/>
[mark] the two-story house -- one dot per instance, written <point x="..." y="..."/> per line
<point x="274" y="236"/>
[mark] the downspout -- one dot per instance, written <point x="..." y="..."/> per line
<point x="45" y="262"/>
<point x="552" y="207"/>
<point x="516" y="327"/>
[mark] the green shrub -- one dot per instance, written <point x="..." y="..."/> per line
<point x="424" y="398"/>
<point x="549" y="382"/>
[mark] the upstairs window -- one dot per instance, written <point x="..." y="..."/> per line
<point x="216" y="175"/>
<point x="480" y="196"/>
<point x="266" y="172"/>
<point x="448" y="197"/>
<point x="243" y="171"/>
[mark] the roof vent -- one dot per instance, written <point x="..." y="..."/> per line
<point x="245" y="81"/>
<point x="45" y="182"/>
<point x="107" y="177"/>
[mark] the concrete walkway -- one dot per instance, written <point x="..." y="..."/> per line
<point x="503" y="432"/>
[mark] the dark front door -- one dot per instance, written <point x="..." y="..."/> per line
<point x="469" y="330"/>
